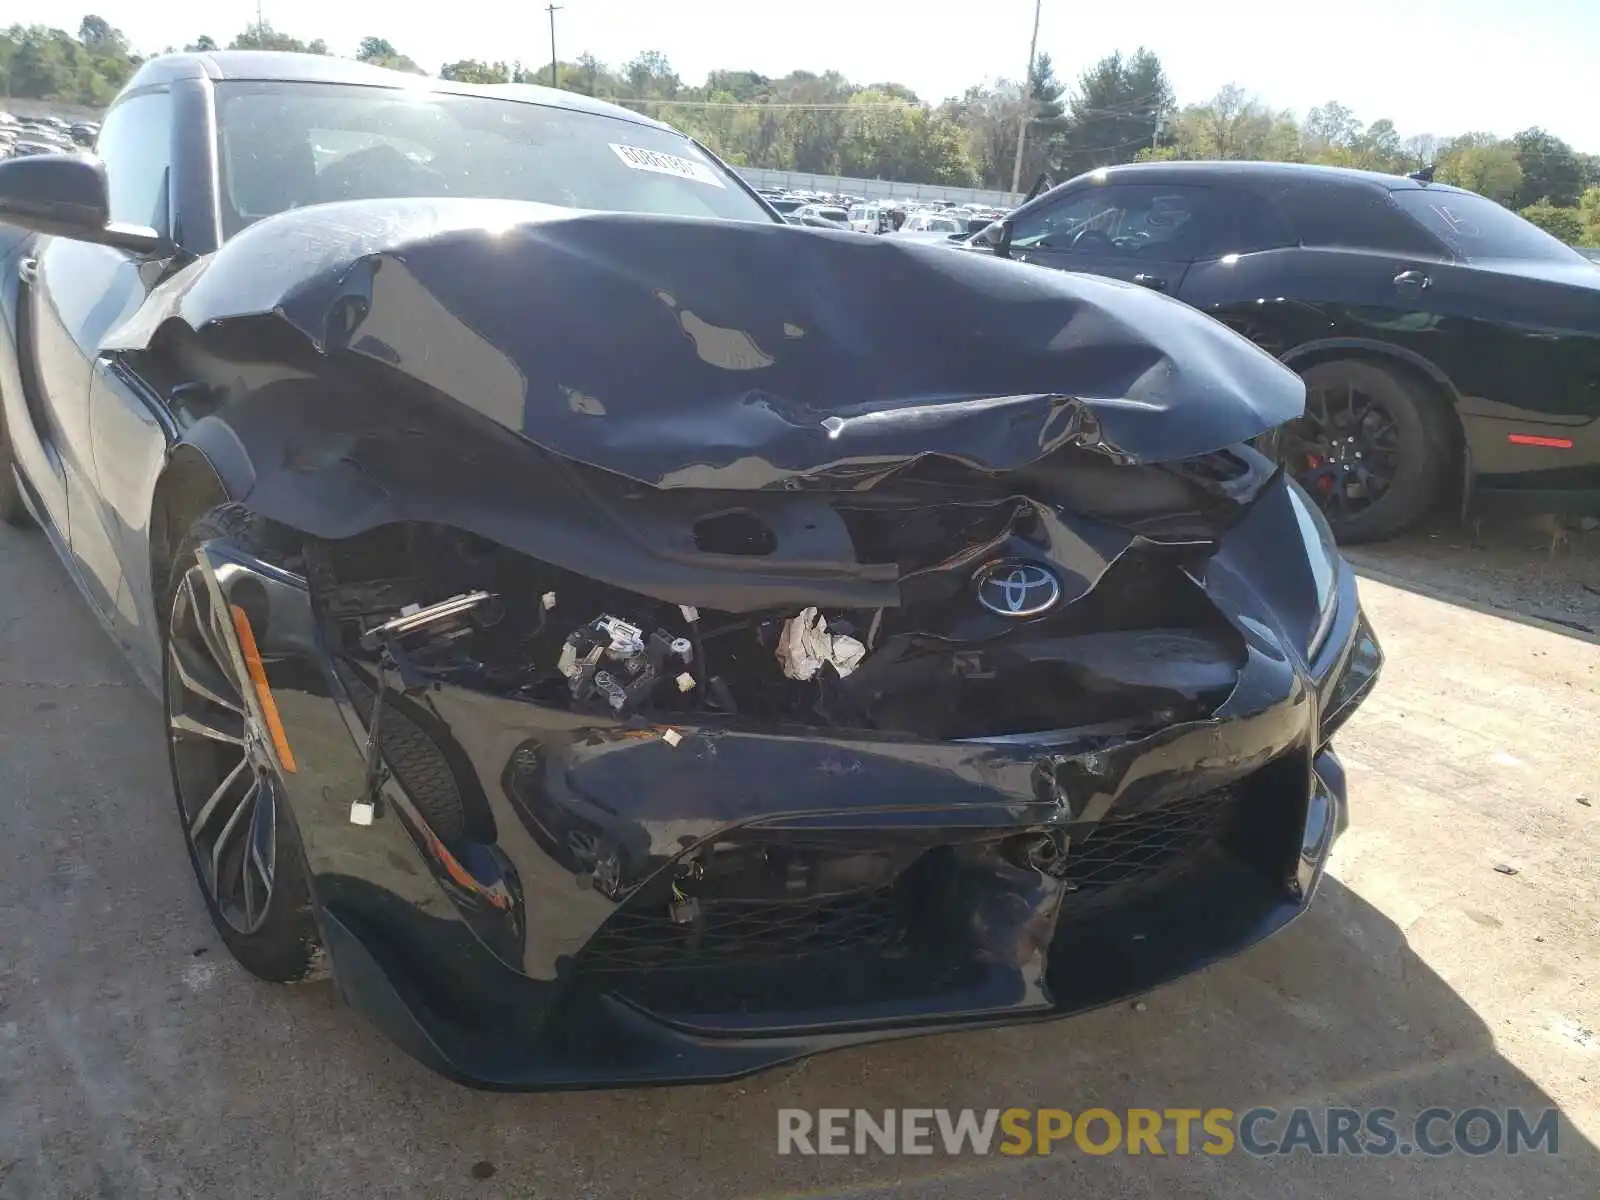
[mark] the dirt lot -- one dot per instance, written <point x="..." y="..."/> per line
<point x="136" y="1060"/>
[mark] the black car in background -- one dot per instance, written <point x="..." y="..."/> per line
<point x="1445" y="342"/>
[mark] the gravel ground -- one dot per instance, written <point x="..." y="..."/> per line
<point x="1526" y="569"/>
<point x="136" y="1060"/>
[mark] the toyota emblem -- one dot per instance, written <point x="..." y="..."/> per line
<point x="1017" y="589"/>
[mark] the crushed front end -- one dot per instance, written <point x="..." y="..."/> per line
<point x="947" y="748"/>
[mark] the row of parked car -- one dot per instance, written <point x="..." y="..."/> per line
<point x="939" y="218"/>
<point x="22" y="136"/>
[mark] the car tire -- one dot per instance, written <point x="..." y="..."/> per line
<point x="13" y="509"/>
<point x="1425" y="447"/>
<point x="284" y="945"/>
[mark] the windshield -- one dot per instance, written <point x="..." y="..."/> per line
<point x="288" y="145"/>
<point x="1476" y="228"/>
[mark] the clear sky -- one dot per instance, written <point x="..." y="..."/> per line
<point x="1431" y="66"/>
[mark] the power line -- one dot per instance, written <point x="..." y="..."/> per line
<point x="1139" y="106"/>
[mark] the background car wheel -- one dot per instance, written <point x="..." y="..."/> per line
<point x="1372" y="449"/>
<point x="13" y="511"/>
<point x="235" y="817"/>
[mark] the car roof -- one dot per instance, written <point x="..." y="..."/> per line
<point x="284" y="67"/>
<point x="1257" y="174"/>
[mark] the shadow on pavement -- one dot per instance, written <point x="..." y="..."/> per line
<point x="294" y="1092"/>
<point x="1526" y="570"/>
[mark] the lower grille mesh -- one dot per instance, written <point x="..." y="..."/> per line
<point x="729" y="930"/>
<point x="1119" y="853"/>
<point x="1126" y="849"/>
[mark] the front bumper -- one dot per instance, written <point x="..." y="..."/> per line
<point x="528" y="952"/>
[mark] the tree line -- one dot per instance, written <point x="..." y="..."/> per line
<point x="1120" y="110"/>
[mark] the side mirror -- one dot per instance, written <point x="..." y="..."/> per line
<point x="996" y="237"/>
<point x="65" y="195"/>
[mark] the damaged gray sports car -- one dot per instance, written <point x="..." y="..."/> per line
<point x="624" y="638"/>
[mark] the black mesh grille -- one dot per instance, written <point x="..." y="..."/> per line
<point x="1120" y="852"/>
<point x="726" y="931"/>
<point x="1127" y="849"/>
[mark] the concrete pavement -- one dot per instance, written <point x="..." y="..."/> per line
<point x="137" y="1060"/>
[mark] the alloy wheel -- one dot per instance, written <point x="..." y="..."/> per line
<point x="226" y="780"/>
<point x="1345" y="450"/>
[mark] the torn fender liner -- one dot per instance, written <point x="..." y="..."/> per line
<point x="697" y="353"/>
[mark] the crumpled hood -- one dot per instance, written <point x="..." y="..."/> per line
<point x="697" y="353"/>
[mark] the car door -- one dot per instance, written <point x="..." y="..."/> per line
<point x="82" y="291"/>
<point x="1144" y="233"/>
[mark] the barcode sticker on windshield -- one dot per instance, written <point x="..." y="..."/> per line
<point x="641" y="159"/>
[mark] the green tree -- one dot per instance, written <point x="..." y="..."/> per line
<point x="1490" y="170"/>
<point x="473" y="70"/>
<point x="1120" y="105"/>
<point x="1048" y="121"/>
<point x="1379" y="148"/>
<point x="1234" y="125"/>
<point x="1330" y="125"/>
<point x="380" y="52"/>
<point x="988" y="116"/>
<point x="99" y="38"/>
<point x="262" y="36"/>
<point x="202" y="44"/>
<point x="1421" y="148"/>
<point x="1550" y="170"/>
<point x="50" y="64"/>
<point x="650" y="76"/>
<point x="1560" y="221"/>
<point x="1589" y="213"/>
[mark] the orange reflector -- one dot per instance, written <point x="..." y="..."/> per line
<point x="258" y="676"/>
<point x="460" y="874"/>
<point x="1529" y="439"/>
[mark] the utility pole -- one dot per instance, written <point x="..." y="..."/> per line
<point x="552" y="9"/>
<point x="1027" y="102"/>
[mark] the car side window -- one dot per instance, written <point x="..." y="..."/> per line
<point x="1361" y="217"/>
<point x="1150" y="221"/>
<point x="135" y="144"/>
<point x="1245" y="223"/>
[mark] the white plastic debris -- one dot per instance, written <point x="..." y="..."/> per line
<point x="361" y="812"/>
<point x="805" y="644"/>
<point x="672" y="737"/>
<point x="626" y="640"/>
<point x="690" y="613"/>
<point x="570" y="665"/>
<point x="548" y="600"/>
<point x="686" y="682"/>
